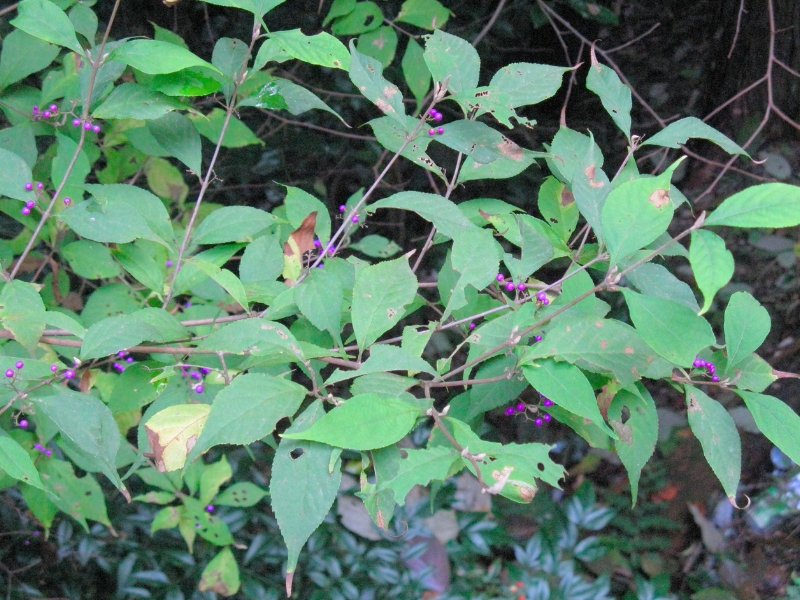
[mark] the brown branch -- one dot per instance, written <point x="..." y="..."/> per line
<point x="489" y="24"/>
<point x="738" y="26"/>
<point x="344" y="134"/>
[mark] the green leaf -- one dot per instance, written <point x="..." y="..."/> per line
<point x="22" y="312"/>
<point x="262" y="260"/>
<point x="420" y="467"/>
<point x="590" y="184"/>
<point x="152" y="57"/>
<point x="392" y="136"/>
<point x="321" y="49"/>
<point x="765" y="205"/>
<point x="382" y="358"/>
<point x="440" y="211"/>
<point x="166" y="518"/>
<point x="60" y="168"/>
<point x="227" y="280"/>
<point x="172" y="433"/>
<point x="114" y="334"/>
<point x="39" y="504"/>
<point x="257" y="7"/>
<point x="501" y="168"/>
<point x="221" y="575"/>
<point x="299" y="204"/>
<point x="528" y="83"/>
<point x="139" y="262"/>
<point x="90" y="260"/>
<point x="450" y="56"/>
<point x="230" y="56"/>
<point x="212" y="529"/>
<point x="363" y="422"/>
<point x="638" y="433"/>
<point x="655" y="280"/>
<point x="44" y="20"/>
<point x="302" y="487"/>
<point x="79" y="497"/>
<point x="476" y="139"/>
<point x="13" y="177"/>
<point x="339" y="8"/>
<point x="19" y="140"/>
<point x="255" y="336"/>
<point x="214" y="475"/>
<point x="752" y="373"/>
<point x="120" y="213"/>
<point x="23" y="55"/>
<point x="320" y="297"/>
<point x="777" y="421"/>
<point x="364" y="17"/>
<point x="132" y="389"/>
<point x="380" y="44"/>
<point x="247" y="410"/>
<point x="376" y="246"/>
<point x="17" y="463"/>
<point x="476" y="257"/>
<point x="427" y="14"/>
<point x="636" y="213"/>
<point x="175" y="133"/>
<point x="597" y="345"/>
<point x="133" y="101"/>
<point x="194" y="81"/>
<point x="673" y="330"/>
<point x="366" y="73"/>
<point x="680" y="131"/>
<point x="240" y="494"/>
<point x="237" y="134"/>
<point x="717" y="433"/>
<point x="558" y="208"/>
<point x="380" y="294"/>
<point x="63" y="321"/>
<point x="88" y="423"/>
<point x="568" y="387"/>
<point x="747" y="324"/>
<point x="232" y="224"/>
<point x="415" y="71"/>
<point x="712" y="264"/>
<point x="536" y="249"/>
<point x="615" y="95"/>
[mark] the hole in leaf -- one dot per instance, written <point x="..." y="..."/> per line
<point x="540" y="466"/>
<point x="296" y="453"/>
<point x="625" y="414"/>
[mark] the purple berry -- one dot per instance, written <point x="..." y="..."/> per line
<point x="205" y="370"/>
<point x="320" y="265"/>
<point x="28" y="186"/>
<point x="87" y="126"/>
<point x="25" y="210"/>
<point x="96" y="128"/>
<point x="521" y="287"/>
<point x="317" y="244"/>
<point x="342" y="208"/>
<point x="431" y="111"/>
<point x="537" y="338"/>
<point x="546" y="417"/>
<point x="53" y="368"/>
<point x="472" y="325"/>
<point x="195" y="375"/>
<point x="67" y="201"/>
<point x="510" y="287"/>
<point x="39" y="185"/>
<point x="46" y="114"/>
<point x="35" y="109"/>
<point x="210" y="508"/>
<point x="76" y="122"/>
<point x="48" y="452"/>
<point x="30" y="204"/>
<point x="69" y="374"/>
<point x="440" y="131"/>
<point x="9" y="373"/>
<point x="509" y="411"/>
<point x="38" y="446"/>
<point x="354" y="218"/>
<point x="53" y="108"/>
<point x="541" y="296"/>
<point x="121" y="353"/>
<point x="520" y="407"/>
<point x="538" y="421"/>
<point x="36" y="534"/>
<point x="197" y="525"/>
<point x="547" y="402"/>
<point x="23" y="423"/>
<point x="129" y="359"/>
<point x="27" y="542"/>
<point x="431" y="132"/>
<point x="545" y="301"/>
<point x="715" y="378"/>
<point x="437" y="116"/>
<point x="19" y="364"/>
<point x="698" y="363"/>
<point x="199" y="389"/>
<point x="500" y="277"/>
<point x="711" y="369"/>
<point x="118" y="367"/>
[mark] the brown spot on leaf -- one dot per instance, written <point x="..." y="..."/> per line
<point x="624" y="432"/>
<point x="590" y="172"/>
<point x="598" y="324"/>
<point x="628" y="350"/>
<point x="482" y="93"/>
<point x="603" y="344"/>
<point x="567" y="197"/>
<point x="694" y="406"/>
<point x="509" y="149"/>
<point x="659" y="198"/>
<point x="527" y="492"/>
<point x="384" y="106"/>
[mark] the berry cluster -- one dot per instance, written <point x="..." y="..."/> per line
<point x="709" y="367"/>
<point x="42" y="449"/>
<point x="118" y="366"/>
<point x="435" y="115"/>
<point x="343" y="208"/>
<point x="87" y="125"/>
<point x="521" y="407"/>
<point x="30" y="204"/>
<point x="11" y="373"/>
<point x="50" y="111"/>
<point x="195" y="377"/>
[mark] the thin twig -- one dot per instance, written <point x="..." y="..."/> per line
<point x="738" y="26"/>
<point x="489" y="24"/>
<point x="9" y="8"/>
<point x="638" y="38"/>
<point x="344" y="134"/>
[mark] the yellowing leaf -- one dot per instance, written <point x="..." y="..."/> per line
<point x="172" y="433"/>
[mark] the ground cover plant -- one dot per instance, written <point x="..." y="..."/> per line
<point x="150" y="332"/>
